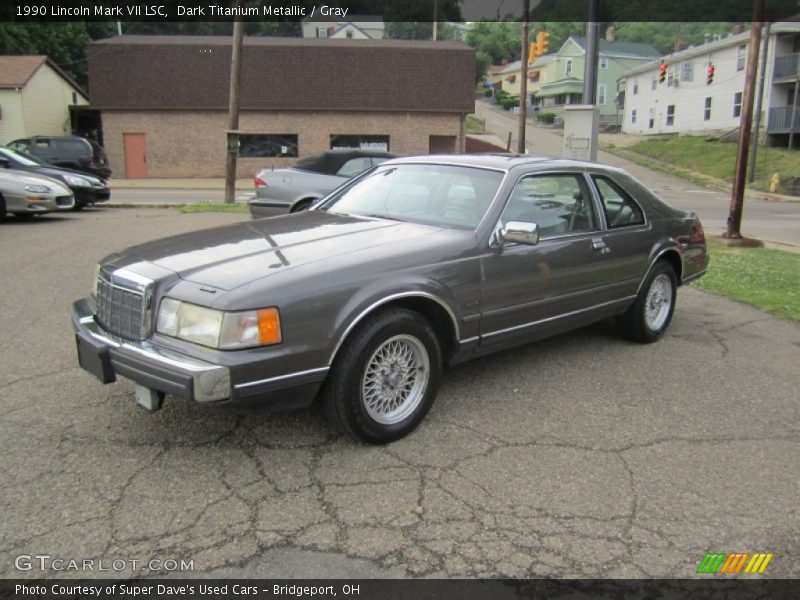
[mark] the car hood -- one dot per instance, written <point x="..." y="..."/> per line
<point x="234" y="255"/>
<point x="26" y="178"/>
<point x="63" y="172"/>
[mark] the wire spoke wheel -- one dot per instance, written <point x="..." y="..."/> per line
<point x="395" y="379"/>
<point x="658" y="302"/>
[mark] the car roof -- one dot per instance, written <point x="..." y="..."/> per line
<point x="331" y="161"/>
<point x="502" y="162"/>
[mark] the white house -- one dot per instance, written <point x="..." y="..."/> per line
<point x="687" y="103"/>
<point x="35" y="98"/>
<point x="362" y="27"/>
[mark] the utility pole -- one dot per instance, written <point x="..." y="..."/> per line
<point x="523" y="84"/>
<point x="745" y="125"/>
<point x="435" y="7"/>
<point x="233" y="111"/>
<point x="590" y="69"/>
<point x="759" y="102"/>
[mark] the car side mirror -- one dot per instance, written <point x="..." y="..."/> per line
<point x="519" y="232"/>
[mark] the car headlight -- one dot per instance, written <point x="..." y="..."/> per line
<point x="37" y="189"/>
<point x="216" y="328"/>
<point x="77" y="181"/>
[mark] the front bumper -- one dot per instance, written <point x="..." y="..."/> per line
<point x="91" y="195"/>
<point x="174" y="372"/>
<point x="164" y="370"/>
<point x="261" y="207"/>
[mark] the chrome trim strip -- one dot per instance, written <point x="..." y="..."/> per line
<point x="474" y="338"/>
<point x="693" y="276"/>
<point x="320" y="370"/>
<point x="653" y="262"/>
<point x="557" y="317"/>
<point x="382" y="301"/>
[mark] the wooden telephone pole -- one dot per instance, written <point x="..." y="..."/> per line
<point x="523" y="84"/>
<point x="233" y="112"/>
<point x="745" y="125"/>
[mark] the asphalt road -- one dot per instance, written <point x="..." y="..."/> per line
<point x="767" y="220"/>
<point x="584" y="455"/>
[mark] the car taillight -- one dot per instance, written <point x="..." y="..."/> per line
<point x="259" y="182"/>
<point x="697" y="235"/>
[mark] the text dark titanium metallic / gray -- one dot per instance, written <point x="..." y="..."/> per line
<point x="418" y="263"/>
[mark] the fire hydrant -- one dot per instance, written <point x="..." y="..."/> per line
<point x="774" y="182"/>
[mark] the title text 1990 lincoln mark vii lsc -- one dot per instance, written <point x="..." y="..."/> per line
<point x="361" y="301"/>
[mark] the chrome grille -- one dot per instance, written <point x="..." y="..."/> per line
<point x="123" y="306"/>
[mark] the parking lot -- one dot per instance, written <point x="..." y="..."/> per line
<point x="580" y="456"/>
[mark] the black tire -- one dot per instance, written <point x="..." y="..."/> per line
<point x="79" y="206"/>
<point x="302" y="205"/>
<point x="636" y="324"/>
<point x="3" y="214"/>
<point x="356" y="370"/>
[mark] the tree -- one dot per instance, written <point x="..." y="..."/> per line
<point x="497" y="40"/>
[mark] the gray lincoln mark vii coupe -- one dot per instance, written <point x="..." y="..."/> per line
<point x="360" y="302"/>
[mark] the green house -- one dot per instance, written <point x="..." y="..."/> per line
<point x="565" y="74"/>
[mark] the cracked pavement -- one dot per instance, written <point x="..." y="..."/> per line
<point x="579" y="456"/>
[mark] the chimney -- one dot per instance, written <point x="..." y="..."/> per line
<point x="611" y="34"/>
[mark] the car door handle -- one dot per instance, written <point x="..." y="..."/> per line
<point x="600" y="245"/>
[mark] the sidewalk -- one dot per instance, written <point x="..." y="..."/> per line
<point x="178" y="183"/>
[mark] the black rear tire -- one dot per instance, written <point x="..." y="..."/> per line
<point x="302" y="205"/>
<point x="2" y="209"/>
<point x="649" y="316"/>
<point x="373" y="399"/>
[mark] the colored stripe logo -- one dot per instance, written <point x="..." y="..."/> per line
<point x="720" y="563"/>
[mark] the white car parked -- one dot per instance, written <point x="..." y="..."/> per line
<point x="24" y="194"/>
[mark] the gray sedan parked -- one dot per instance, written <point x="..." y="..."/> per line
<point x="362" y="300"/>
<point x="25" y="194"/>
<point x="279" y="191"/>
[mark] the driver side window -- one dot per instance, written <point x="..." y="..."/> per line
<point x="558" y="204"/>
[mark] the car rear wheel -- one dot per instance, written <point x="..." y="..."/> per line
<point x="302" y="205"/>
<point x="385" y="379"/>
<point x="649" y="316"/>
<point x="2" y="209"/>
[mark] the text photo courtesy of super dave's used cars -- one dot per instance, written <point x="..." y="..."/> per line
<point x="362" y="300"/>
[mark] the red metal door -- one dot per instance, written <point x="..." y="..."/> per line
<point x="135" y="155"/>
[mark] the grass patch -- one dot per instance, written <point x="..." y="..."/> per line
<point x="475" y="125"/>
<point x="762" y="277"/>
<point x="717" y="160"/>
<point x="216" y="207"/>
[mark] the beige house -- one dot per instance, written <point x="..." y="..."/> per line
<point x="35" y="96"/>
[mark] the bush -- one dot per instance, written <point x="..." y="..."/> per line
<point x="547" y="117"/>
<point x="509" y="102"/>
<point x="501" y="95"/>
<point x="488" y="93"/>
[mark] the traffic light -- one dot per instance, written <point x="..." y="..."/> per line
<point x="710" y="74"/>
<point x="662" y="73"/>
<point x="541" y="43"/>
<point x="532" y="54"/>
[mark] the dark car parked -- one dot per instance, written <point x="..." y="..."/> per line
<point x="361" y="300"/>
<point x="86" y="188"/>
<point x="69" y="151"/>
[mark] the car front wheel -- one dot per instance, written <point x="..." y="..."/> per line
<point x="385" y="379"/>
<point x="649" y="316"/>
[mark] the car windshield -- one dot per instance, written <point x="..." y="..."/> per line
<point x="22" y="157"/>
<point x="445" y="195"/>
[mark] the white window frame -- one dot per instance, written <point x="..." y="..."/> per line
<point x="670" y="120"/>
<point x="568" y="67"/>
<point x="635" y="87"/>
<point x="603" y="62"/>
<point x="633" y="116"/>
<point x="737" y="106"/>
<point x="707" y="109"/>
<point x="651" y="118"/>
<point x="741" y="55"/>
<point x="602" y="91"/>
<point x="687" y="72"/>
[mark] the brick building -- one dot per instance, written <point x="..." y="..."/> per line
<point x="164" y="100"/>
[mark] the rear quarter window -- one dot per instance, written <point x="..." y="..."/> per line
<point x="75" y="147"/>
